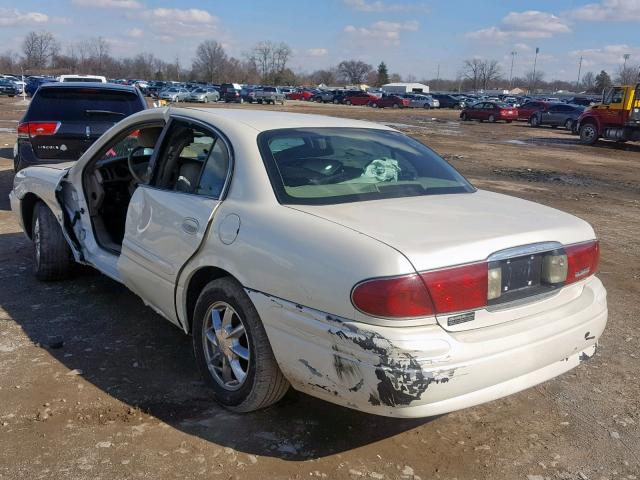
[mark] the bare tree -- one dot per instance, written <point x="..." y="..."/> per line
<point x="534" y="80"/>
<point x="472" y="71"/>
<point x="8" y="62"/>
<point x="489" y="72"/>
<point x="628" y="74"/>
<point x="270" y="60"/>
<point x="354" y="71"/>
<point x="589" y="82"/>
<point x="211" y="61"/>
<point x="326" y="77"/>
<point x="38" y="49"/>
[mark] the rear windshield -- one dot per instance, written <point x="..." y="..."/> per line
<point x="322" y="166"/>
<point x="68" y="104"/>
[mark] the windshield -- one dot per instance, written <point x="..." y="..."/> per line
<point x="321" y="166"/>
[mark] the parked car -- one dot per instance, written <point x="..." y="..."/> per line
<point x="390" y="101"/>
<point x="9" y="88"/>
<point x="584" y="101"/>
<point x="449" y="101"/>
<point x="301" y="94"/>
<point x="155" y="87"/>
<point x="64" y="119"/>
<point x="409" y="320"/>
<point x="231" y="93"/>
<point x="174" y="94"/>
<point x="33" y="83"/>
<point x="489" y="111"/>
<point x="417" y="100"/>
<point x="271" y="95"/>
<point x="358" y="98"/>
<point x="326" y="96"/>
<point x="558" y="115"/>
<point x="83" y="78"/>
<point x="204" y="95"/>
<point x="526" y="110"/>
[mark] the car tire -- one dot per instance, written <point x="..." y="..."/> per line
<point x="336" y="102"/>
<point x="534" y="121"/>
<point x="492" y="119"/>
<point x="426" y="106"/>
<point x="245" y="381"/>
<point x="52" y="258"/>
<point x="348" y="102"/>
<point x="588" y="134"/>
<point x="395" y="105"/>
<point x="206" y="100"/>
<point x="464" y="117"/>
<point x="569" y="125"/>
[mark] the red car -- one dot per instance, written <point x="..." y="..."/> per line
<point x="490" y="111"/>
<point x="526" y="110"/>
<point x="300" y="95"/>
<point x="359" y="98"/>
<point x="392" y="101"/>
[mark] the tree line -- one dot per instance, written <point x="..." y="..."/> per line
<point x="268" y="63"/>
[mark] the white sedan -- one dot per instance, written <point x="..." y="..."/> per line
<point x="336" y="256"/>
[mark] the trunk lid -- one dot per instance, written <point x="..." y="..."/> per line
<point x="436" y="231"/>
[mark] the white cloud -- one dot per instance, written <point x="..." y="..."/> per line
<point x="135" y="33"/>
<point x="607" y="56"/>
<point x="120" y="4"/>
<point x="387" y="32"/>
<point x="317" y="52"/>
<point x="609" y="10"/>
<point x="14" y="17"/>
<point x="529" y="24"/>
<point x="378" y="6"/>
<point x="174" y="22"/>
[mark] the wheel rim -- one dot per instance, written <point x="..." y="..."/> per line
<point x="588" y="132"/>
<point x="568" y="124"/>
<point x="226" y="346"/>
<point x="492" y="119"/>
<point x="36" y="240"/>
<point x="534" y="121"/>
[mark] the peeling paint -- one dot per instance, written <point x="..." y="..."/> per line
<point x="588" y="336"/>
<point x="311" y="369"/>
<point x="357" y="386"/>
<point x="401" y="378"/>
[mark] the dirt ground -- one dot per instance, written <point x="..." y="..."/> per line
<point x="120" y="399"/>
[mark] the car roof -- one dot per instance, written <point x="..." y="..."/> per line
<point x="95" y="85"/>
<point x="263" y="120"/>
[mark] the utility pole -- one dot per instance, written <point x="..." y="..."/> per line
<point x="624" y="67"/>
<point x="533" y="80"/>
<point x="513" y="56"/>
<point x="438" y="75"/>
<point x="579" y="71"/>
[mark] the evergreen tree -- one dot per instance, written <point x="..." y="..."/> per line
<point x="383" y="74"/>
<point x="603" y="81"/>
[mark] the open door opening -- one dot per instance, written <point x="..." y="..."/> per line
<point x="111" y="179"/>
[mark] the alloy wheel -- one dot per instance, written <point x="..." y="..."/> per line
<point x="226" y="346"/>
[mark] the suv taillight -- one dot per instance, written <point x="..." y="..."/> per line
<point x="32" y="129"/>
<point x="463" y="288"/>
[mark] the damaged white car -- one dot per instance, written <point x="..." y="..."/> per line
<point x="338" y="257"/>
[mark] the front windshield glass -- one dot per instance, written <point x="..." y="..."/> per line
<point x="337" y="165"/>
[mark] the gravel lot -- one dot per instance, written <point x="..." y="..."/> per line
<point x="120" y="398"/>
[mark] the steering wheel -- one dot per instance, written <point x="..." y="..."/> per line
<point x="134" y="174"/>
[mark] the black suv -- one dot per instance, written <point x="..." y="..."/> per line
<point x="449" y="101"/>
<point x="64" y="119"/>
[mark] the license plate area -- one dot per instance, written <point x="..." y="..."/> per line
<point x="521" y="277"/>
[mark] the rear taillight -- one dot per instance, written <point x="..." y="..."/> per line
<point x="467" y="287"/>
<point x="458" y="288"/>
<point x="32" y="129"/>
<point x="582" y="259"/>
<point x="395" y="297"/>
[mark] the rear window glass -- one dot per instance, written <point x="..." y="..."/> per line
<point x="321" y="166"/>
<point x="66" y="104"/>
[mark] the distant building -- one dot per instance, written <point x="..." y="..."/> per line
<point x="401" y="87"/>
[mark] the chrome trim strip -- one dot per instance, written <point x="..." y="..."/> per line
<point x="524" y="250"/>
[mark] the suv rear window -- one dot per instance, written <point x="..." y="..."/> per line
<point x="65" y="104"/>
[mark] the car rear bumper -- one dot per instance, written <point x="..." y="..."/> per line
<point x="425" y="371"/>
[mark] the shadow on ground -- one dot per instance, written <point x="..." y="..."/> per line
<point x="139" y="358"/>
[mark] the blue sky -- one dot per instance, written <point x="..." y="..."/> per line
<point x="412" y="37"/>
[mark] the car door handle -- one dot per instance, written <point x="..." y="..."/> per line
<point x="190" y="226"/>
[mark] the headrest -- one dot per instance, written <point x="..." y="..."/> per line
<point x="148" y="137"/>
